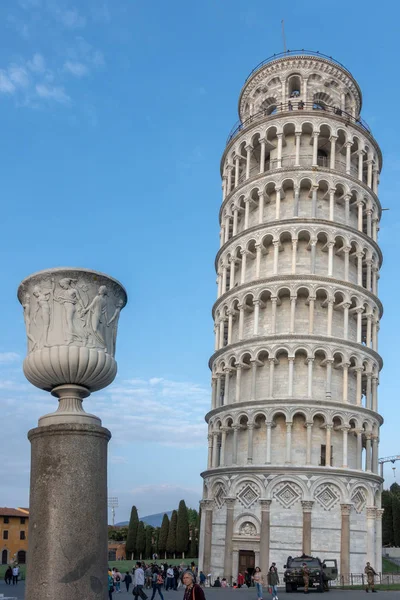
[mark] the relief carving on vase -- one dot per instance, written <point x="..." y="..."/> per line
<point x="79" y="309"/>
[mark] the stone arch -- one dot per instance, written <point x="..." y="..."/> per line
<point x="246" y="517"/>
<point x="367" y="491"/>
<point x="253" y="481"/>
<point x="285" y="479"/>
<point x="330" y="481"/>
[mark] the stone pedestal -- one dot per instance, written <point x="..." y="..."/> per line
<point x="67" y="552"/>
<point x="71" y="318"/>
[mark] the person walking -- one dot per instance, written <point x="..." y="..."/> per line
<point x="306" y="577"/>
<point x="202" y="579"/>
<point x="370" y="573"/>
<point x="192" y="590"/>
<point x="110" y="585"/>
<point x="158" y="582"/>
<point x="117" y="581"/>
<point x="170" y="579"/>
<point x="15" y="574"/>
<point x="273" y="580"/>
<point x="258" y="580"/>
<point x="127" y="580"/>
<point x="240" y="580"/>
<point x="138" y="582"/>
<point x="8" y="576"/>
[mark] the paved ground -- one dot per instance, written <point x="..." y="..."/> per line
<point x="218" y="594"/>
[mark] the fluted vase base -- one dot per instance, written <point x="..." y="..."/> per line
<point x="70" y="409"/>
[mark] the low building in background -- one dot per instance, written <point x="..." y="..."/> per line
<point x="14" y="535"/>
<point x="116" y="550"/>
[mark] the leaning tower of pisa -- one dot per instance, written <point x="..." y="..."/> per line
<point x="293" y="428"/>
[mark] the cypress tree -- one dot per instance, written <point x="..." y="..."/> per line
<point x="171" y="540"/>
<point x="182" y="529"/>
<point x="132" y="533"/>
<point x="140" y="540"/>
<point x="162" y="540"/>
<point x="396" y="519"/>
<point x="387" y="519"/>
<point x="149" y="542"/>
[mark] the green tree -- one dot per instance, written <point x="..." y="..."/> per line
<point x="149" y="542"/>
<point x="140" y="540"/>
<point x="171" y="540"/>
<point x="387" y="519"/>
<point x="396" y="518"/>
<point x="132" y="533"/>
<point x="182" y="529"/>
<point x="162" y="540"/>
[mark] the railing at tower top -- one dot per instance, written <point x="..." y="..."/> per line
<point x="293" y="107"/>
<point x="302" y="52"/>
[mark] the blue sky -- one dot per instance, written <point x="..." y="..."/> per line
<point x="114" y="116"/>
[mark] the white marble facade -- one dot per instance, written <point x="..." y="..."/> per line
<point x="294" y="422"/>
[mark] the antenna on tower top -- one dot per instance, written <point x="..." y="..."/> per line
<point x="283" y="35"/>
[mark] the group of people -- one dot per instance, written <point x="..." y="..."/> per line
<point x="168" y="577"/>
<point x="257" y="580"/>
<point x="156" y="577"/>
<point x="12" y="575"/>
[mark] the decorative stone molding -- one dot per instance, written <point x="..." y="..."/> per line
<point x="346" y="509"/>
<point x="307" y="505"/>
<point x="248" y="495"/>
<point x="327" y="496"/>
<point x="287" y="494"/>
<point x="359" y="499"/>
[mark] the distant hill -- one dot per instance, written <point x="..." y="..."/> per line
<point x="152" y="520"/>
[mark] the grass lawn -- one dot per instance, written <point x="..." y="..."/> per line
<point x="126" y="565"/>
<point x="389" y="567"/>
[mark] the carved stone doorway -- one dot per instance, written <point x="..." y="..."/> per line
<point x="247" y="560"/>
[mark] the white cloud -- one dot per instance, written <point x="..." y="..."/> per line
<point x="37" y="64"/>
<point x="19" y="75"/>
<point x="6" y="85"/>
<point x="160" y="411"/>
<point x="82" y="51"/>
<point x="52" y="92"/>
<point x="7" y="357"/>
<point x="77" y="69"/>
<point x="71" y="19"/>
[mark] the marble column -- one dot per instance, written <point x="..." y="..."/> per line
<point x="309" y="426"/>
<point x="328" y="453"/>
<point x="371" y="546"/>
<point x="268" y="448"/>
<point x="265" y="534"/>
<point x="307" y="509"/>
<point x="224" y="432"/>
<point x="207" y="514"/>
<point x="250" y="435"/>
<point x="230" y="506"/>
<point x="345" y="543"/>
<point x="288" y="459"/>
<point x="345" y="431"/>
<point x="235" y="443"/>
<point x="378" y="540"/>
